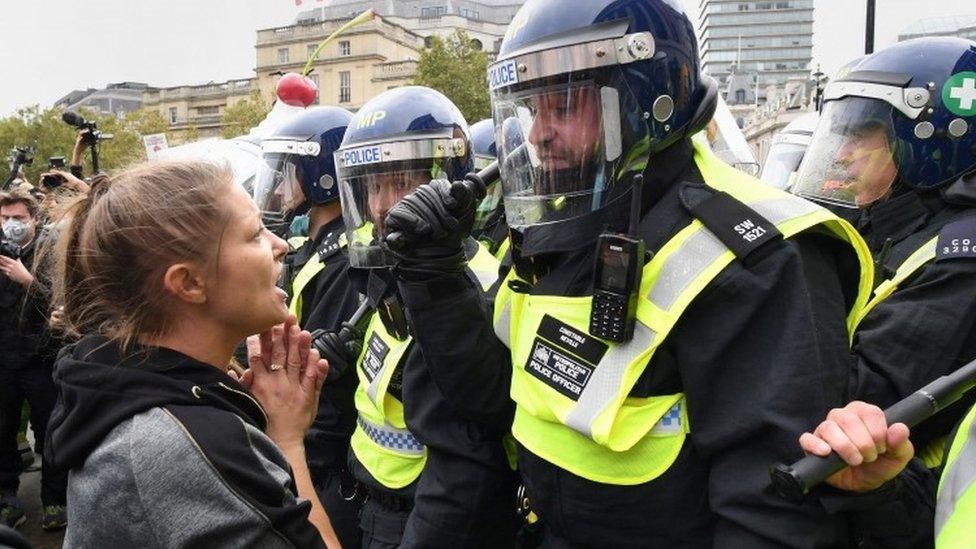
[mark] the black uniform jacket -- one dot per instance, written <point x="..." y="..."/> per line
<point x="328" y="301"/>
<point x="927" y="328"/>
<point x="762" y="355"/>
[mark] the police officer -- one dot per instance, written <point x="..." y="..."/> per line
<point x="434" y="477"/>
<point x="897" y="144"/>
<point x="298" y="175"/>
<point x="651" y="390"/>
<point x="489" y="225"/>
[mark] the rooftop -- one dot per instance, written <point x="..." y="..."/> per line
<point x="936" y="25"/>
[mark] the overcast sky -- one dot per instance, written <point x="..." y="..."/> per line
<point x="49" y="48"/>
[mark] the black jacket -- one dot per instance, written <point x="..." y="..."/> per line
<point x="175" y="447"/>
<point x="327" y="301"/>
<point x="927" y="328"/>
<point x="762" y="355"/>
<point x="24" y="312"/>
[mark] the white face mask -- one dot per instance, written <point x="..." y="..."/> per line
<point x="16" y="230"/>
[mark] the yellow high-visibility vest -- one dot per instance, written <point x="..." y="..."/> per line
<point x="571" y="389"/>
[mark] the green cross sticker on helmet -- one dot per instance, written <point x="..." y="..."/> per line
<point x="959" y="94"/>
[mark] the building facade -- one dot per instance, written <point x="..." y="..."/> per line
<point x="117" y="99"/>
<point x="485" y="21"/>
<point x="963" y="26"/>
<point x="771" y="39"/>
<point x="196" y="111"/>
<point x="362" y="63"/>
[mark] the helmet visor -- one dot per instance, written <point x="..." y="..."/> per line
<point x="851" y="159"/>
<point x="369" y="188"/>
<point x="278" y="190"/>
<point x="560" y="149"/>
<point x="782" y="163"/>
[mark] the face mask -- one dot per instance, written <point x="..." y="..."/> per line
<point x="16" y="230"/>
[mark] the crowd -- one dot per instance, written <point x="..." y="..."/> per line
<point x="569" y="326"/>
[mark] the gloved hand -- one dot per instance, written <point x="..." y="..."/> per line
<point x="427" y="228"/>
<point x="340" y="349"/>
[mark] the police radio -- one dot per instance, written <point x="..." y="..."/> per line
<point x="617" y="277"/>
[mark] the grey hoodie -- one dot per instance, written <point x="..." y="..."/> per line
<point x="167" y="452"/>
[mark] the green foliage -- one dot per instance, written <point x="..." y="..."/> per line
<point x="240" y="117"/>
<point x="453" y="67"/>
<point x="44" y="130"/>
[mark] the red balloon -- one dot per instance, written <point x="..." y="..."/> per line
<point x="297" y="90"/>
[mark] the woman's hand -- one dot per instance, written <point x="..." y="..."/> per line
<point x="860" y="435"/>
<point x="286" y="377"/>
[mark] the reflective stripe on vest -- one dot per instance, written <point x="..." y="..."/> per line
<point x="955" y="510"/>
<point x="391" y="438"/>
<point x="381" y="441"/>
<point x="920" y="258"/>
<point x="614" y="438"/>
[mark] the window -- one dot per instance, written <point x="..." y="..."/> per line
<point x="435" y="11"/>
<point x="201" y="111"/>
<point x="345" y="48"/>
<point x="470" y="13"/>
<point x="345" y="87"/>
<point x="476" y="45"/>
<point x="740" y="96"/>
<point x="311" y="50"/>
<point x="428" y="41"/>
<point x="283" y="55"/>
<point x="315" y="80"/>
<point x="172" y="115"/>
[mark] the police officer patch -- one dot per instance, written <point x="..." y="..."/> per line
<point x="957" y="240"/>
<point x="376" y="351"/>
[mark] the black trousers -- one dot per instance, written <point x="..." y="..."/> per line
<point x="32" y="381"/>
<point x="342" y="500"/>
<point x="382" y="527"/>
<point x="460" y="503"/>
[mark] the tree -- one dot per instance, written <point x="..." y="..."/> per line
<point x="454" y="67"/>
<point x="240" y="117"/>
<point x="44" y="130"/>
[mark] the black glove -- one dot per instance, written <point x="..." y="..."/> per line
<point x="340" y="349"/>
<point x="427" y="228"/>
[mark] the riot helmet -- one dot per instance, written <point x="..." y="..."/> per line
<point x="905" y="117"/>
<point x="399" y="140"/>
<point x="787" y="150"/>
<point x="583" y="97"/>
<point x="485" y="152"/>
<point x="297" y="168"/>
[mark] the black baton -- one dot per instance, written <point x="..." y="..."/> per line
<point x="795" y="481"/>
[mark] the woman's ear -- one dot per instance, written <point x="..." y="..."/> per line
<point x="183" y="281"/>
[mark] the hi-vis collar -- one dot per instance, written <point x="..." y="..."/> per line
<point x="561" y="57"/>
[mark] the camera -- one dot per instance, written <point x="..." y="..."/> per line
<point x="21" y="156"/>
<point x="54" y="180"/>
<point x="9" y="249"/>
<point x="92" y="135"/>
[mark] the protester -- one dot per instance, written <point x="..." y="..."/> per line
<point x="25" y="358"/>
<point x="165" y="268"/>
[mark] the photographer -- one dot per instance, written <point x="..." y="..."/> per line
<point x="25" y="358"/>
